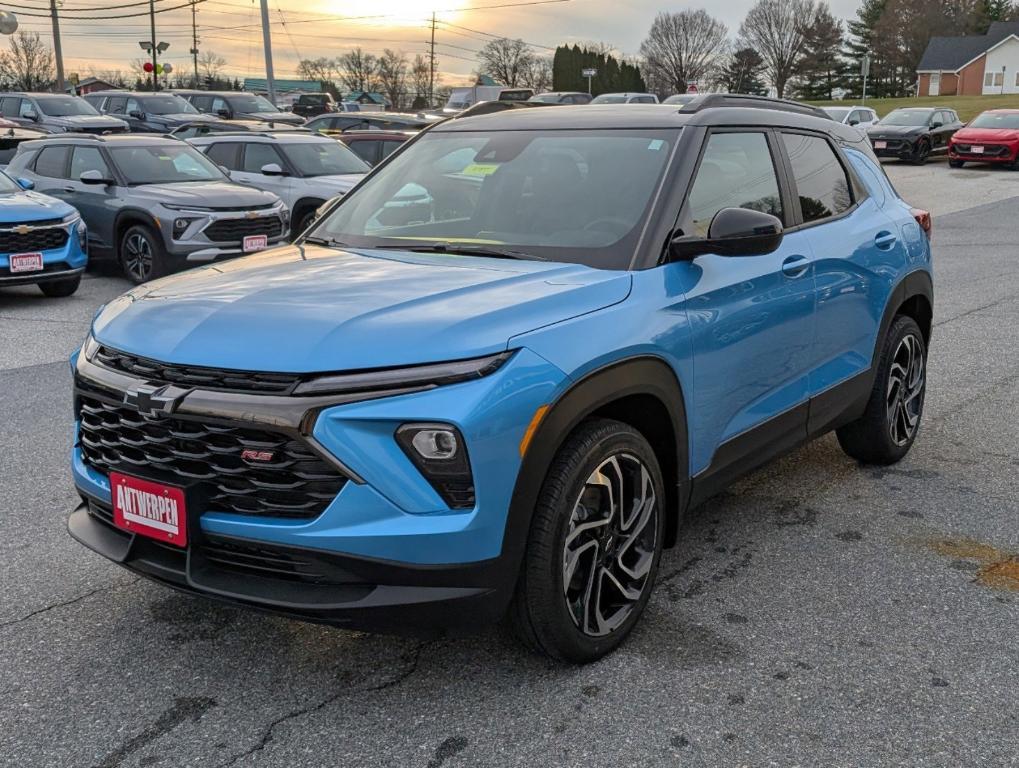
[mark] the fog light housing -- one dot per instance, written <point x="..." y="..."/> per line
<point x="440" y="455"/>
<point x="180" y="227"/>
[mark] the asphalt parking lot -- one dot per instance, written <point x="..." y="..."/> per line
<point x="817" y="614"/>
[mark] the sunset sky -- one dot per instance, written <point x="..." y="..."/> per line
<point x="314" y="28"/>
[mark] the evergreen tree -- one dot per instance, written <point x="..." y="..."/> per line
<point x="821" y="68"/>
<point x="612" y="75"/>
<point x="744" y="73"/>
<point x="990" y="11"/>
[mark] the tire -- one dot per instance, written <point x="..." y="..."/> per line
<point x="888" y="428"/>
<point x="58" y="289"/>
<point x="588" y="616"/>
<point x="142" y="255"/>
<point x="922" y="152"/>
<point x="304" y="222"/>
<point x="956" y="163"/>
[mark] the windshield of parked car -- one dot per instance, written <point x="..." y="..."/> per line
<point x="571" y="195"/>
<point x="607" y="98"/>
<point x="838" y="114"/>
<point x="1008" y="121"/>
<point x="906" y="117"/>
<point x="323" y="158"/>
<point x="546" y="98"/>
<point x="162" y="164"/>
<point x="680" y="98"/>
<point x="7" y="184"/>
<point x="167" y="105"/>
<point x="249" y="102"/>
<point x="64" y="106"/>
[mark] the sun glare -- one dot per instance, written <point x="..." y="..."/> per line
<point x="403" y="13"/>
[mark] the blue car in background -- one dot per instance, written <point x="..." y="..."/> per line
<point x="490" y="380"/>
<point x="43" y="241"/>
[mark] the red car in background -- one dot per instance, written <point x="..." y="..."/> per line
<point x="992" y="137"/>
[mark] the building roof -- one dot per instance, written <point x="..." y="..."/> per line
<point x="953" y="53"/>
<point x="372" y="96"/>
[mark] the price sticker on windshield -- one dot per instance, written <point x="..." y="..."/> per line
<point x="480" y="169"/>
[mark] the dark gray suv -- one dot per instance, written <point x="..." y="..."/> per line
<point x="156" y="204"/>
<point x="57" y="113"/>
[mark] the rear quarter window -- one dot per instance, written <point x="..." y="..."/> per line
<point x="52" y="162"/>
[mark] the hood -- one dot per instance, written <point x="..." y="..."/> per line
<point x="340" y="182"/>
<point x="31" y="206"/>
<point x="205" y="194"/>
<point x="895" y="130"/>
<point x="977" y="135"/>
<point x="275" y="117"/>
<point x="182" y="118"/>
<point x="85" y="121"/>
<point x="334" y="310"/>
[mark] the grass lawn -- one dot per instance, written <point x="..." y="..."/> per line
<point x="968" y="107"/>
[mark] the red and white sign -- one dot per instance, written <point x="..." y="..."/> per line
<point x="150" y="509"/>
<point x="255" y="243"/>
<point x="26" y="262"/>
<point x="691" y="88"/>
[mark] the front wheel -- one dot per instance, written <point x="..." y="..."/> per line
<point x="922" y="152"/>
<point x="887" y="429"/>
<point x="142" y="255"/>
<point x="594" y="545"/>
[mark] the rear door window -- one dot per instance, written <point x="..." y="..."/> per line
<point x="366" y="150"/>
<point x="116" y="105"/>
<point x="52" y="162"/>
<point x="822" y="184"/>
<point x="10" y="106"/>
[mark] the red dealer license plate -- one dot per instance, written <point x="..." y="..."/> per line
<point x="880" y="145"/>
<point x="151" y="509"/>
<point x="255" y="243"/>
<point x="26" y="262"/>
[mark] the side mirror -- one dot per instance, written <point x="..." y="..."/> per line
<point x="854" y="122"/>
<point x="272" y="169"/>
<point x="94" y="177"/>
<point x="137" y="114"/>
<point x="26" y="183"/>
<point x="935" y="125"/>
<point x="32" y="115"/>
<point x="224" y="113"/>
<point x="732" y="232"/>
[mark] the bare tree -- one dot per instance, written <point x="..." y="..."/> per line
<point x="393" y="76"/>
<point x="358" y="71"/>
<point x="115" y="77"/>
<point x="28" y="65"/>
<point x="776" y="29"/>
<point x="321" y="70"/>
<point x="538" y="76"/>
<point x="210" y="65"/>
<point x="681" y="48"/>
<point x="508" y="61"/>
<point x="420" y="78"/>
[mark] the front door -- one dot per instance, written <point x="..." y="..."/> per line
<point x="95" y="202"/>
<point x="751" y="318"/>
<point x="935" y="86"/>
<point x="254" y="157"/>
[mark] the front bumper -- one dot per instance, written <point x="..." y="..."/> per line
<point x="898" y="148"/>
<point x="993" y="153"/>
<point x="67" y="261"/>
<point x="387" y="525"/>
<point x="195" y="244"/>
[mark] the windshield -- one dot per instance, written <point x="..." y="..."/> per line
<point x="323" y="158"/>
<point x="546" y="98"/>
<point x="607" y="98"/>
<point x="838" y="114"/>
<point x="249" y="102"/>
<point x="64" y="106"/>
<point x="162" y="164"/>
<point x="167" y="105"/>
<point x="7" y="184"/>
<point x="680" y="98"/>
<point x="575" y="196"/>
<point x="1008" y="121"/>
<point x="907" y="117"/>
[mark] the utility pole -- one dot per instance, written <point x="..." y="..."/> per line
<point x="56" y="45"/>
<point x="431" y="68"/>
<point x="270" y="80"/>
<point x="152" y="28"/>
<point x="194" y="38"/>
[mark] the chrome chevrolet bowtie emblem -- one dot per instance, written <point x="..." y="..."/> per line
<point x="22" y="229"/>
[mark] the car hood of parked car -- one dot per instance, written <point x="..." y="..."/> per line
<point x="274" y="117"/>
<point x="895" y="130"/>
<point x="181" y="118"/>
<point x="77" y="122"/>
<point x="305" y="309"/>
<point x="30" y="206"/>
<point x="205" y="194"/>
<point x="986" y="134"/>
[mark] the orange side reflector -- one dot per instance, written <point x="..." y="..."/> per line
<point x="532" y="428"/>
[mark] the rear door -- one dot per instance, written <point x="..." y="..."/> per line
<point x="856" y="255"/>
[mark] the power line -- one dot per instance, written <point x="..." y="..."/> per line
<point x="120" y="16"/>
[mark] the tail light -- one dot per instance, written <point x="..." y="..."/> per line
<point x="923" y="218"/>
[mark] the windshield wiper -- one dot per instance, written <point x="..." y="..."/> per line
<point x="326" y="241"/>
<point x="464" y="249"/>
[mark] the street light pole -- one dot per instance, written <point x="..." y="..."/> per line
<point x="152" y="27"/>
<point x="270" y="80"/>
<point x="58" y="55"/>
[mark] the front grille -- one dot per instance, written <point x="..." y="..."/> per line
<point x="295" y="483"/>
<point x="264" y="560"/>
<point x="197" y="376"/>
<point x="42" y="239"/>
<point x="235" y="230"/>
<point x="990" y="150"/>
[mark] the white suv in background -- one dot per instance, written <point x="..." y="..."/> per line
<point x="304" y="169"/>
<point x="625" y="98"/>
<point x="858" y="117"/>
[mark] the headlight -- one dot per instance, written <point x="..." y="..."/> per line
<point x="70" y="218"/>
<point x="413" y="377"/>
<point x="440" y="454"/>
<point x="89" y="348"/>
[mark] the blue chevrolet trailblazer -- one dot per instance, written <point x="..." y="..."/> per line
<point x="489" y="381"/>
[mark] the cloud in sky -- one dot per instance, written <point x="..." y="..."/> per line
<point x="314" y="28"/>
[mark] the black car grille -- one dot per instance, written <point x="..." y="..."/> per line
<point x="41" y="239"/>
<point x="295" y="483"/>
<point x="196" y="376"/>
<point x="990" y="150"/>
<point x="250" y="559"/>
<point x="231" y="230"/>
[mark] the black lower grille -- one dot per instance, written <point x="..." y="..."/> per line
<point x="41" y="239"/>
<point x="267" y="561"/>
<point x="989" y="150"/>
<point x="197" y="376"/>
<point x="233" y="230"/>
<point x="283" y="478"/>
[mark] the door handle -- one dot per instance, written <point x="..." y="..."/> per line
<point x="68" y="189"/>
<point x="885" y="240"/>
<point x="795" y="266"/>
